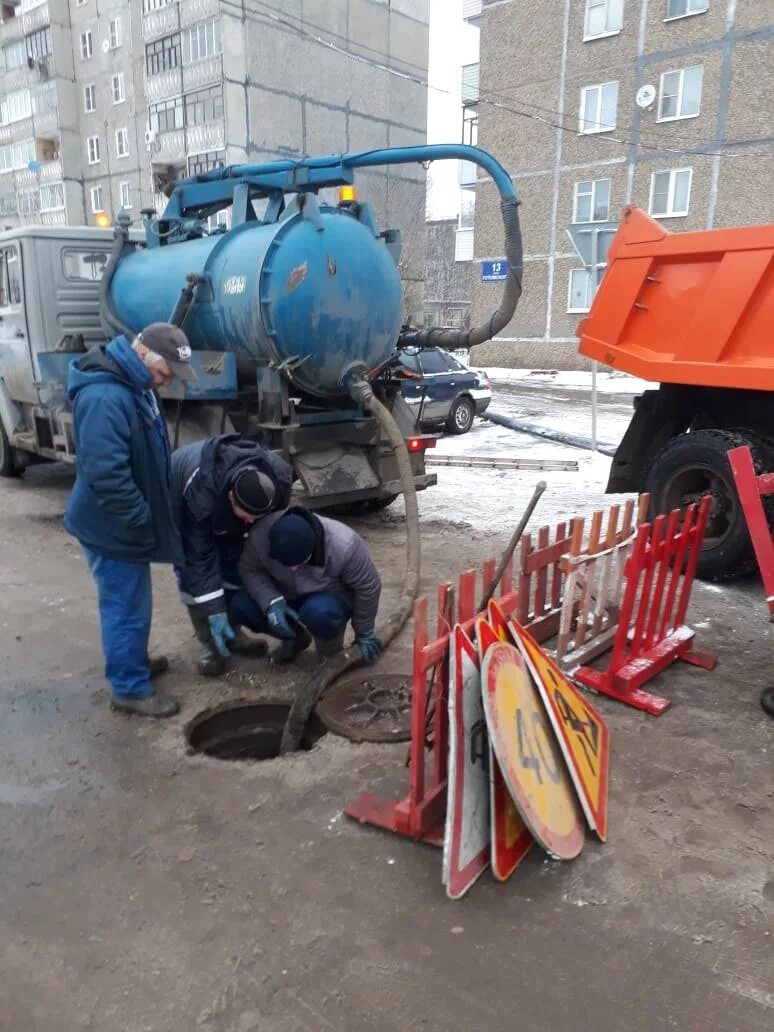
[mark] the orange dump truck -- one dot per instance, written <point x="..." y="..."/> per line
<point x="694" y="314"/>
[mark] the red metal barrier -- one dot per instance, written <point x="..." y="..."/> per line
<point x="651" y="631"/>
<point x="536" y="603"/>
<point x="751" y="488"/>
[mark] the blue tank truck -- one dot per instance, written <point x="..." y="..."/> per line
<point x="294" y="316"/>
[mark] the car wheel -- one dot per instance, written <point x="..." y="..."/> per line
<point x="8" y="464"/>
<point x="461" y="416"/>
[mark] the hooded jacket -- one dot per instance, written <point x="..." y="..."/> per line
<point x="120" y="506"/>
<point x="340" y="564"/>
<point x="213" y="536"/>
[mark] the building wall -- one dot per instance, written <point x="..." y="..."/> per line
<point x="448" y="283"/>
<point x="284" y="94"/>
<point x="534" y="63"/>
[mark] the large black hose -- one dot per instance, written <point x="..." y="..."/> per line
<point x="514" y="252"/>
<point x="325" y="674"/>
<point x="111" y="323"/>
<point x="574" y="440"/>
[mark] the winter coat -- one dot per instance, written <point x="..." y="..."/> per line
<point x="120" y="506"/>
<point x="213" y="536"/>
<point x="340" y="564"/>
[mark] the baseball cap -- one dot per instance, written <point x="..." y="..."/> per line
<point x="172" y="345"/>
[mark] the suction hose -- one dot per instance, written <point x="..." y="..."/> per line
<point x="111" y="324"/>
<point x="307" y="696"/>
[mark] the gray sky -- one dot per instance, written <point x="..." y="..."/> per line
<point x="453" y="43"/>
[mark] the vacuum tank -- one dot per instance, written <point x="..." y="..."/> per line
<point x="316" y="293"/>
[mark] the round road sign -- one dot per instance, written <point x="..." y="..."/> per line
<point x="528" y="754"/>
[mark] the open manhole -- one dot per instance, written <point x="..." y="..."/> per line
<point x="245" y="731"/>
<point x="375" y="708"/>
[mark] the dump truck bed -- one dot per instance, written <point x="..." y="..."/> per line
<point x="688" y="308"/>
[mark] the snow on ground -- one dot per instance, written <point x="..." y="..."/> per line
<point x="607" y="382"/>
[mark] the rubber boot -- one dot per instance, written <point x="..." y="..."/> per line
<point x="243" y="645"/>
<point x="157" y="705"/>
<point x="210" y="663"/>
<point x="329" y="647"/>
<point x="157" y="665"/>
<point x="289" y="648"/>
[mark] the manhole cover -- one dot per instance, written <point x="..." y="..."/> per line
<point x="371" y="709"/>
<point x="245" y="731"/>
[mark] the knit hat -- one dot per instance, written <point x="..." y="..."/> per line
<point x="253" y="491"/>
<point x="292" y="540"/>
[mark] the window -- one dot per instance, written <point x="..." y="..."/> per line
<point x="39" y="44"/>
<point x="680" y="94"/>
<point x="96" y="199"/>
<point x="603" y="18"/>
<point x="162" y="54"/>
<point x="682" y="8"/>
<point x="201" y="41"/>
<point x="599" y="107"/>
<point x="10" y="294"/>
<point x="155" y="5"/>
<point x="204" y="106"/>
<point x="433" y="361"/>
<point x="14" y="55"/>
<point x="167" y="115"/>
<point x="118" y="88"/>
<point x="15" y="156"/>
<point x="43" y="98"/>
<point x="125" y="190"/>
<point x="114" y="33"/>
<point x="89" y="98"/>
<point x="52" y="197"/>
<point x="591" y="202"/>
<point x="670" y="192"/>
<point x="205" y="162"/>
<point x="122" y="143"/>
<point x="592" y="246"/>
<point x="28" y="202"/>
<point x="92" y="149"/>
<point x="80" y="266"/>
<point x="15" y="107"/>
<point x="86" y="45"/>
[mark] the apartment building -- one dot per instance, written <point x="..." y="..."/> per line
<point x="595" y="104"/>
<point x="104" y="103"/>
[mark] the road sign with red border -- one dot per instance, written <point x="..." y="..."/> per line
<point x="580" y="730"/>
<point x="511" y="839"/>
<point x="466" y="846"/>
<point x="528" y="754"/>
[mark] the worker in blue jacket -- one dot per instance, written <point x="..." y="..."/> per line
<point x="120" y="509"/>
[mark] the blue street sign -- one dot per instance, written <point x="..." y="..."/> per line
<point x="494" y="272"/>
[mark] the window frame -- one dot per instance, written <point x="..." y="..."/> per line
<point x="157" y="51"/>
<point x="122" y="134"/>
<point x="115" y="23"/>
<point x="600" y="86"/>
<point x="87" y="45"/>
<point x="176" y="105"/>
<point x="43" y="34"/>
<point x="191" y="104"/>
<point x="672" y="173"/>
<point x="680" y="93"/>
<point x="204" y="39"/>
<point x="120" y="78"/>
<point x="593" y="194"/>
<point x="607" y="32"/>
<point x="16" y="46"/>
<point x="12" y="299"/>
<point x="125" y="205"/>
<point x="688" y="14"/>
<point x="90" y="86"/>
<point x="208" y="162"/>
<point x="94" y="139"/>
<point x="98" y="192"/>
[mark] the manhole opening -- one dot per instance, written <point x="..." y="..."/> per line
<point x="245" y="731"/>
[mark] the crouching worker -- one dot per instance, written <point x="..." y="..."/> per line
<point x="306" y="576"/>
<point x="121" y="508"/>
<point x="220" y="488"/>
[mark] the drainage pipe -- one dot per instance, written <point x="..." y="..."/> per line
<point x="551" y="435"/>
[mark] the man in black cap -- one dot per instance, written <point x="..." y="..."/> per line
<point x="306" y="576"/>
<point x="220" y="488"/>
<point x="120" y="509"/>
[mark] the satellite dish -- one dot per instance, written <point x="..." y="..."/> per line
<point x="645" y="96"/>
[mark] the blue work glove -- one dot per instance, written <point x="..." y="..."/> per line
<point x="222" y="632"/>
<point x="282" y="619"/>
<point x="370" y="646"/>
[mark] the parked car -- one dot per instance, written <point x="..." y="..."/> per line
<point x="444" y="390"/>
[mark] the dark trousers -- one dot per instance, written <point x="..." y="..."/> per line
<point x="322" y="613"/>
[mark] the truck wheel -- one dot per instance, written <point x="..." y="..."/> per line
<point x="461" y="416"/>
<point x="695" y="464"/>
<point x="8" y="464"/>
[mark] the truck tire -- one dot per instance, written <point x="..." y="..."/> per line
<point x="695" y="464"/>
<point x="8" y="464"/>
<point x="461" y="416"/>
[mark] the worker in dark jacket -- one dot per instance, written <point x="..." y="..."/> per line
<point x="120" y="508"/>
<point x="220" y="487"/>
<point x="306" y="576"/>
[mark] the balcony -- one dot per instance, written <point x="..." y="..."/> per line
<point x="17" y="79"/>
<point x="36" y="18"/>
<point x="202" y="73"/>
<point x="161" y="22"/>
<point x="51" y="171"/>
<point x="470" y="84"/>
<point x="192" y="11"/>
<point x="11" y="30"/>
<point x="472" y="10"/>
<point x="20" y="130"/>
<point x="46" y="124"/>
<point x="167" y="84"/>
<point x="209" y="137"/>
<point x="168" y="147"/>
<point x="53" y="218"/>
